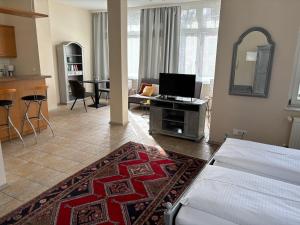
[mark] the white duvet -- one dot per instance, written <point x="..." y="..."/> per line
<point x="191" y="216"/>
<point x="267" y="160"/>
<point x="243" y="198"/>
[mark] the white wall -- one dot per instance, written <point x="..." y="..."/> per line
<point x="71" y="24"/>
<point x="44" y="42"/>
<point x="264" y="119"/>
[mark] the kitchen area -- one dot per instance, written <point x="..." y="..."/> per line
<point x="23" y="87"/>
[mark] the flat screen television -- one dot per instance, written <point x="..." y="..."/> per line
<point x="177" y="85"/>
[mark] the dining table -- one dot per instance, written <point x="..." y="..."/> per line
<point x="96" y="83"/>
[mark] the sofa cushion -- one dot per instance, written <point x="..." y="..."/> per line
<point x="148" y="91"/>
<point x="142" y="87"/>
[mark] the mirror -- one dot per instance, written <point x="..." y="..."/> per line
<point x="252" y="63"/>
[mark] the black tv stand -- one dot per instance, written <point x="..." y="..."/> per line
<point x="184" y="119"/>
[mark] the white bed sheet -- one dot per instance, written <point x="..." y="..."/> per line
<point x="244" y="198"/>
<point x="191" y="216"/>
<point x="266" y="160"/>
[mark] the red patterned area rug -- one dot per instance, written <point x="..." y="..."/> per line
<point x="129" y="186"/>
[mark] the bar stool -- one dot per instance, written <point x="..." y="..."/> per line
<point x="39" y="96"/>
<point x="7" y="103"/>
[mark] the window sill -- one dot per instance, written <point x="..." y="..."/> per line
<point x="292" y="108"/>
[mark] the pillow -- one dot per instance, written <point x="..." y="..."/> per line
<point x="148" y="91"/>
<point x="156" y="89"/>
<point x="143" y="85"/>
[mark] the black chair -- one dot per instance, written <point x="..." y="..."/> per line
<point x="78" y="92"/>
<point x="105" y="90"/>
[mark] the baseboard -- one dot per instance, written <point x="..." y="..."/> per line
<point x="118" y="124"/>
<point x="212" y="142"/>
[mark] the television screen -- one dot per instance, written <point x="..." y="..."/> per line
<point x="178" y="85"/>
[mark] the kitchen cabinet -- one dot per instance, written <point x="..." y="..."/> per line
<point x="7" y="42"/>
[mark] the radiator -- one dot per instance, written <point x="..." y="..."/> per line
<point x="295" y="134"/>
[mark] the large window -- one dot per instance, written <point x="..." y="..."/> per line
<point x="295" y="92"/>
<point x="198" y="41"/>
<point x="133" y="44"/>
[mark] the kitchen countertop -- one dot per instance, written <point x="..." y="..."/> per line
<point x="23" y="77"/>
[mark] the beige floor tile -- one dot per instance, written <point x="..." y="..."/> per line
<point x="4" y="199"/>
<point x="47" y="147"/>
<point x="11" y="177"/>
<point x="26" y="169"/>
<point x="11" y="163"/>
<point x="61" y="164"/>
<point x="74" y="155"/>
<point x="75" y="169"/>
<point x="47" y="177"/>
<point x="32" y="156"/>
<point x="9" y="206"/>
<point x="24" y="190"/>
<point x="48" y="160"/>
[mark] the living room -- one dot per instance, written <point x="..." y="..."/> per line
<point x="169" y="136"/>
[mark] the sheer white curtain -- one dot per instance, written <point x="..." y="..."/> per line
<point x="100" y="43"/>
<point x="133" y="43"/>
<point x="198" y="39"/>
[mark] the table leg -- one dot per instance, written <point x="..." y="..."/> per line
<point x="97" y="97"/>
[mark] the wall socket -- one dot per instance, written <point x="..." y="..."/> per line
<point x="239" y="132"/>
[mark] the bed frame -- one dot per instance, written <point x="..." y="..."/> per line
<point x="172" y="210"/>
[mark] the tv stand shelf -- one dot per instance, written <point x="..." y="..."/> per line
<point x="184" y="119"/>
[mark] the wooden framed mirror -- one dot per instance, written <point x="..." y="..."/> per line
<point x="252" y="63"/>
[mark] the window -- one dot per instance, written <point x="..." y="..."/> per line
<point x="133" y="44"/>
<point x="198" y="41"/>
<point x="295" y="92"/>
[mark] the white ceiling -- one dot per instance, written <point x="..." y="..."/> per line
<point x="101" y="4"/>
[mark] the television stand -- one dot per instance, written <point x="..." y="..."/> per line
<point x="183" y="119"/>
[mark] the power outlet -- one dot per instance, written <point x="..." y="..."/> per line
<point x="239" y="132"/>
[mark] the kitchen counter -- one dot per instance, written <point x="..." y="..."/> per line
<point x="23" y="77"/>
<point x="24" y="86"/>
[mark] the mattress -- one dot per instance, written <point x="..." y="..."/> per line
<point x="267" y="160"/>
<point x="191" y="216"/>
<point x="244" y="198"/>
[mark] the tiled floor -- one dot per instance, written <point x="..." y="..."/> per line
<point x="80" y="139"/>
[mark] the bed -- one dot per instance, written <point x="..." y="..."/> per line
<point x="266" y="160"/>
<point x="217" y="193"/>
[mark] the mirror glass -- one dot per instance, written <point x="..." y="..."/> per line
<point x="251" y="67"/>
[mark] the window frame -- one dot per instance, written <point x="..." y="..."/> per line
<point x="200" y="33"/>
<point x="295" y="86"/>
<point x="133" y="34"/>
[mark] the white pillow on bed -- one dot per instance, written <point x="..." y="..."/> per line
<point x="267" y="160"/>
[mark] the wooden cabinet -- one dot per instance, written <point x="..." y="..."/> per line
<point x="7" y="42"/>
